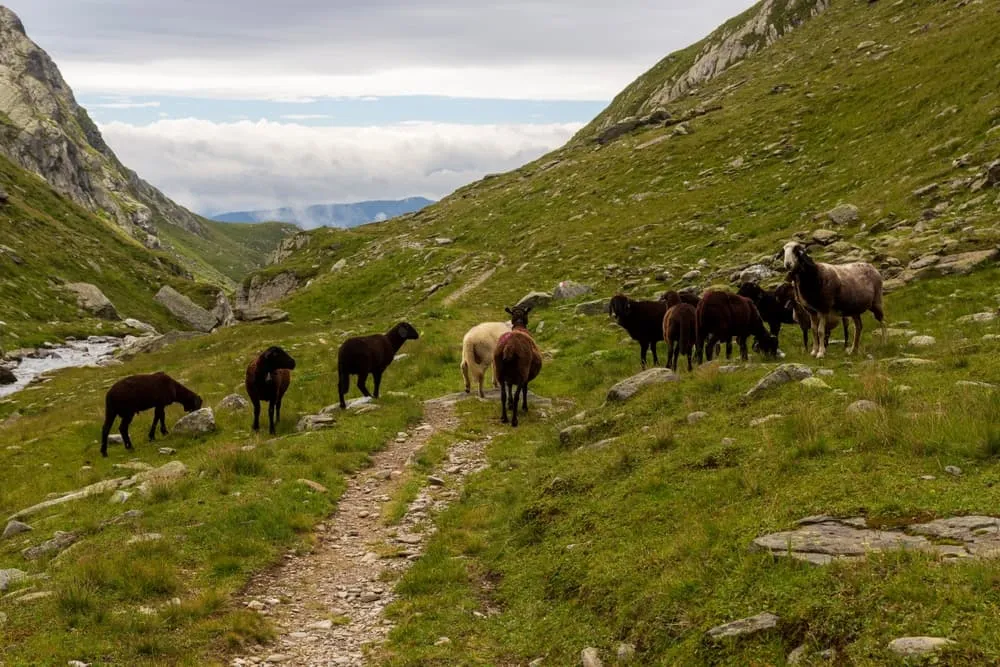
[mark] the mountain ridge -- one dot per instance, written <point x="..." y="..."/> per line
<point x="330" y="215"/>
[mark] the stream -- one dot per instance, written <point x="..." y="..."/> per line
<point x="71" y="354"/>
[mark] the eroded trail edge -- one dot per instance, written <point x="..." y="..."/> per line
<point x="327" y="605"/>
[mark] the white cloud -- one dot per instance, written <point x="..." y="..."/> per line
<point x="214" y="167"/>
<point x="126" y="105"/>
<point x="306" y="116"/>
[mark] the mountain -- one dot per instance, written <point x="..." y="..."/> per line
<point x="332" y="215"/>
<point x="44" y="131"/>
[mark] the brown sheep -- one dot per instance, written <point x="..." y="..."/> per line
<point x="138" y="393"/>
<point x="680" y="332"/>
<point x="722" y="316"/>
<point x="267" y="379"/>
<point x="847" y="290"/>
<point x="516" y="362"/>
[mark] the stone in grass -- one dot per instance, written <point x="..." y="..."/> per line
<point x="590" y="657"/>
<point x="15" y="527"/>
<point x="199" y="422"/>
<point x="696" y="417"/>
<point x="917" y="646"/>
<point x="626" y="653"/>
<point x="814" y="383"/>
<point x="744" y="626"/>
<point x="233" y="402"/>
<point x="629" y="387"/>
<point x="860" y="407"/>
<point x="923" y="341"/>
<point x="781" y="375"/>
<point x="11" y="576"/>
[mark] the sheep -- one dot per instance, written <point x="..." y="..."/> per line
<point x="138" y="393"/>
<point x="672" y="298"/>
<point x="267" y="379"/>
<point x="643" y="320"/>
<point x="847" y="290"/>
<point x="721" y="316"/>
<point x="477" y="353"/>
<point x="680" y="332"/>
<point x="516" y="362"/>
<point x="362" y="355"/>
<point x="779" y="306"/>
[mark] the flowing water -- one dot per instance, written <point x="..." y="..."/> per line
<point x="72" y="354"/>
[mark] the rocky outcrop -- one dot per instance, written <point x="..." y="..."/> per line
<point x="223" y="312"/>
<point x="92" y="299"/>
<point x="260" y="291"/>
<point x="48" y="133"/>
<point x="261" y="316"/>
<point x="287" y="248"/>
<point x="186" y="310"/>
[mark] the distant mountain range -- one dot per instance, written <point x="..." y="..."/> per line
<point x="331" y="215"/>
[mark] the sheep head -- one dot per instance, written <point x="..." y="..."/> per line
<point x="519" y="316"/>
<point x="620" y="306"/>
<point x="274" y="358"/>
<point x="406" y="331"/>
<point x="796" y="255"/>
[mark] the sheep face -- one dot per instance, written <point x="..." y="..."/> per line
<point x="519" y="316"/>
<point x="406" y="331"/>
<point x="275" y="358"/>
<point x="192" y="404"/>
<point x="619" y="307"/>
<point x="751" y="291"/>
<point x="766" y="345"/>
<point x="795" y="255"/>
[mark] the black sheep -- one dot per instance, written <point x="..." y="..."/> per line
<point x="643" y="320"/>
<point x="138" y="393"/>
<point x="364" y="355"/>
<point x="267" y="379"/>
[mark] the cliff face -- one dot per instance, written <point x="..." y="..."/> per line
<point x="45" y="131"/>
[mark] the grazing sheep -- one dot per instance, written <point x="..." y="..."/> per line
<point x="138" y="393"/>
<point x="267" y="379"/>
<point x="370" y="354"/>
<point x="722" y="316"/>
<point x="516" y="362"/>
<point x="680" y="332"/>
<point x="672" y="298"/>
<point x="785" y="294"/>
<point x="847" y="290"/>
<point x="477" y="353"/>
<point x="643" y="320"/>
<point x="779" y="306"/>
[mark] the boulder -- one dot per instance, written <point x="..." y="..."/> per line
<point x="568" y="289"/>
<point x="844" y="214"/>
<point x="261" y="315"/>
<point x="13" y="528"/>
<point x="966" y="262"/>
<point x="316" y="422"/>
<point x="91" y="299"/>
<point x="199" y="422"/>
<point x="590" y="657"/>
<point x="7" y="376"/>
<point x="535" y="300"/>
<point x="696" y="417"/>
<point x="744" y="626"/>
<point x="814" y="383"/>
<point x="148" y="344"/>
<point x="262" y="290"/>
<point x="85" y="492"/>
<point x="166" y="475"/>
<point x="234" y="403"/>
<point x="11" y="576"/>
<point x="783" y="374"/>
<point x="628" y="388"/>
<point x="185" y="309"/>
<point x="59" y="542"/>
<point x="223" y="312"/>
<point x="861" y="407"/>
<point x="600" y="307"/>
<point x="139" y="325"/>
<point x="825" y="236"/>
<point x="910" y="647"/>
<point x="923" y="341"/>
<point x="756" y="273"/>
<point x="977" y="318"/>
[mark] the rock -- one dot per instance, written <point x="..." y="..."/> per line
<point x="261" y="315"/>
<point x="600" y="307"/>
<point x="916" y="646"/>
<point x="199" y="422"/>
<point x="11" y="576"/>
<point x="31" y="597"/>
<point x="756" y="273"/>
<point x="628" y="388"/>
<point x="977" y="385"/>
<point x="120" y="497"/>
<point x="867" y="44"/>
<point x="814" y="383"/>
<point x="977" y="318"/>
<point x="442" y="641"/>
<point x="262" y="290"/>
<point x="435" y="481"/>
<point x="185" y="309"/>
<point x="7" y="376"/>
<point x="145" y="537"/>
<point x="77" y="663"/>
<point x="570" y="433"/>
<point x="590" y="657"/>
<point x="966" y="262"/>
<point x="928" y="189"/>
<point x="315" y="422"/>
<point x="91" y="299"/>
<point x="60" y="541"/>
<point x="13" y="528"/>
<point x="745" y="626"/>
<point x="567" y="289"/>
<point x="140" y="326"/>
<point x="338" y="266"/>
<point x="860" y="407"/>
<point x="955" y="471"/>
<point x="694" y="274"/>
<point x="277" y="658"/>
<point x="85" y="492"/>
<point x="625" y="653"/>
<point x="442" y="240"/>
<point x="844" y="214"/>
<point x="234" y="403"/>
<point x="825" y="236"/>
<point x="167" y="451"/>
<point x="166" y="475"/>
<point x="910" y="362"/>
<point x="326" y="624"/>
<point x="923" y="341"/>
<point x="150" y="344"/>
<point x="315" y="486"/>
<point x="797" y="655"/>
<point x="535" y="300"/>
<point x="781" y="375"/>
<point x="223" y="311"/>
<point x="760" y="421"/>
<point x="696" y="417"/>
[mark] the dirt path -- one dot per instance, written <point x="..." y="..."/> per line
<point x="471" y="285"/>
<point x="327" y="605"/>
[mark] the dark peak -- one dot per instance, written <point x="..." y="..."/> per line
<point x="10" y="21"/>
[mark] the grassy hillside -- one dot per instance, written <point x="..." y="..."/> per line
<point x="643" y="539"/>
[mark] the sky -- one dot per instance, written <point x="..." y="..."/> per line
<point x="253" y="104"/>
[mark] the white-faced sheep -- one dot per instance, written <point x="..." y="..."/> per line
<point x="847" y="290"/>
<point x="477" y="353"/>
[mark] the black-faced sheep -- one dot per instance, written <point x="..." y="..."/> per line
<point x="267" y="379"/>
<point x="847" y="290"/>
<point x="723" y="316"/>
<point x="643" y="320"/>
<point x="516" y="362"/>
<point x="680" y="332"/>
<point x="364" y="355"/>
<point x="477" y="352"/>
<point x="672" y="298"/>
<point x="138" y="393"/>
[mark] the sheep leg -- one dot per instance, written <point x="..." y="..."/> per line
<point x="821" y="337"/>
<point x="482" y="378"/>
<point x="109" y="421"/>
<point x="656" y="362"/>
<point x="805" y="338"/>
<point x="857" y="334"/>
<point x="465" y="374"/>
<point x="744" y="354"/>
<point x="377" y="377"/>
<point x="256" y="414"/>
<point x="503" y="402"/>
<point x="343" y="384"/>
<point x="524" y="397"/>
<point x="670" y="354"/>
<point x="270" y="417"/>
<point x="159" y="416"/>
<point x="729" y="348"/>
<point x="689" y="361"/>
<point x="513" y="406"/>
<point x="843" y="320"/>
<point x="814" y="321"/>
<point x="362" y="379"/>
<point x="644" y="347"/>
<point x="277" y="411"/>
<point x="880" y="317"/>
<point x="709" y="347"/>
<point x="123" y="429"/>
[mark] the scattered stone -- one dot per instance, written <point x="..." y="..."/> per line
<point x="917" y="646"/>
<point x="814" y="383"/>
<point x="199" y="422"/>
<point x="442" y="641"/>
<point x="766" y="420"/>
<point x="784" y="374"/>
<point x="140" y="326"/>
<point x="977" y="385"/>
<point x="600" y="307"/>
<point x="568" y="289"/>
<point x="966" y="262"/>
<point x="167" y="451"/>
<point x="326" y="624"/>
<point x="694" y="274"/>
<point x="145" y="537"/>
<point x="696" y="417"/>
<point x="315" y="486"/>
<point x="31" y="597"/>
<point x="931" y="188"/>
<point x="867" y="44"/>
<point x="11" y="576"/>
<point x="797" y="655"/>
<point x="745" y="626"/>
<point x="923" y="341"/>
<point x="277" y="658"/>
<point x="435" y="481"/>
<point x="910" y="362"/>
<point x="825" y="236"/>
<point x="977" y="318"/>
<point x="628" y="388"/>
<point x="590" y="657"/>
<point x="91" y="299"/>
<point x="316" y="422"/>
<point x="625" y="653"/>
<point x="185" y="309"/>
<point x="14" y="528"/>
<point x="338" y="266"/>
<point x="535" y="300"/>
<point x="85" y="492"/>
<point x="120" y="497"/>
<point x="570" y="433"/>
<point x="442" y="240"/>
<point x="757" y="273"/>
<point x="953" y="470"/>
<point x="166" y="475"/>
<point x="234" y="403"/>
<point x="261" y="315"/>
<point x="860" y="407"/>
<point x="844" y="214"/>
<point x="60" y="541"/>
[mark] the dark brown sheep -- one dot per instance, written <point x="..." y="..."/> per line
<point x="672" y="298"/>
<point x="723" y="316"/>
<point x="364" y="355"/>
<point x="516" y="362"/>
<point x="138" y="393"/>
<point x="267" y="379"/>
<point x="643" y="320"/>
<point x="779" y="306"/>
<point x="845" y="290"/>
<point x="785" y="294"/>
<point x="680" y="332"/>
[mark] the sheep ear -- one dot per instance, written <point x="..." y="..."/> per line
<point x="508" y="311"/>
<point x="528" y="309"/>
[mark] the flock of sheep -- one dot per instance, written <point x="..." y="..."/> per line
<point x="816" y="296"/>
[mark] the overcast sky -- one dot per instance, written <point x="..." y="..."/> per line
<point x="256" y="104"/>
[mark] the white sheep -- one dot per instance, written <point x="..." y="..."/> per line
<point x="477" y="352"/>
